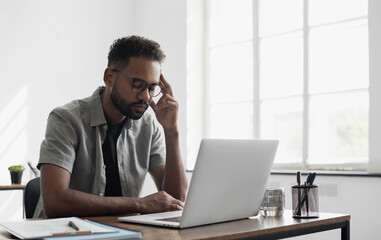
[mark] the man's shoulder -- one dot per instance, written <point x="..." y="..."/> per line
<point x="80" y="110"/>
<point x="73" y="109"/>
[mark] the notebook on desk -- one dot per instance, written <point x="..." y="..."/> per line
<point x="228" y="183"/>
<point x="61" y="228"/>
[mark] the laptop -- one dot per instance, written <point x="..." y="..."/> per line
<point x="228" y="183"/>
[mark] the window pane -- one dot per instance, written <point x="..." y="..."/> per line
<point x="327" y="11"/>
<point x="281" y="66"/>
<point x="339" y="57"/>
<point x="231" y="121"/>
<point x="279" y="16"/>
<point x="230" y="22"/>
<point x="339" y="128"/>
<point x="283" y="120"/>
<point x="231" y="73"/>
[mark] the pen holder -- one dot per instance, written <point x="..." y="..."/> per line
<point x="305" y="201"/>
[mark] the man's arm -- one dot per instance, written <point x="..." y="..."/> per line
<point x="59" y="200"/>
<point x="172" y="177"/>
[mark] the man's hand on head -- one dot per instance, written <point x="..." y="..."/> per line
<point x="166" y="109"/>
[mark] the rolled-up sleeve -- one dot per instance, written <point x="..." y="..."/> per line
<point x="59" y="145"/>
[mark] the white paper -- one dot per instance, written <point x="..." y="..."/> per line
<point x="43" y="228"/>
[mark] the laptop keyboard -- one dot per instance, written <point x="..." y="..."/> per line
<point x="170" y="219"/>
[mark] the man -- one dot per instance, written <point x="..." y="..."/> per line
<point x="97" y="150"/>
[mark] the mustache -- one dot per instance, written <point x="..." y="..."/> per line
<point x="142" y="102"/>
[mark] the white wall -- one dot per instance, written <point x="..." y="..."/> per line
<point x="51" y="53"/>
<point x="54" y="51"/>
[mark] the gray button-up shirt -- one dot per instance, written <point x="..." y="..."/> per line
<point x="73" y="140"/>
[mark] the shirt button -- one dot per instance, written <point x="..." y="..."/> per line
<point x="101" y="194"/>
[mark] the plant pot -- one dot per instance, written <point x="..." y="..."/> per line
<point x="16" y="177"/>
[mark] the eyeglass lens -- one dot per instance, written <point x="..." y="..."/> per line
<point x="141" y="85"/>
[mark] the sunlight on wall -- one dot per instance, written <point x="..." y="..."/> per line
<point x="13" y="149"/>
<point x="13" y="135"/>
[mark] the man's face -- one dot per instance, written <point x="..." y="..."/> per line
<point x="133" y="110"/>
<point x="133" y="104"/>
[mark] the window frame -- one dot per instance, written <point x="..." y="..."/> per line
<point x="305" y="95"/>
<point x="373" y="165"/>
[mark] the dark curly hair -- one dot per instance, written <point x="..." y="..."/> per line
<point x="133" y="46"/>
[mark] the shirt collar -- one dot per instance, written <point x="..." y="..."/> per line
<point x="97" y="116"/>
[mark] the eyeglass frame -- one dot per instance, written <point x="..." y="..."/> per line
<point x="145" y="84"/>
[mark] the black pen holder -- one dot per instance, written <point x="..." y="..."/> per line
<point x="305" y="201"/>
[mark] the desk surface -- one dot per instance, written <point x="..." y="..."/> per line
<point x="253" y="227"/>
<point x="258" y="227"/>
<point x="12" y="187"/>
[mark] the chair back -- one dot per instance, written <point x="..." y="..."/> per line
<point x="31" y="196"/>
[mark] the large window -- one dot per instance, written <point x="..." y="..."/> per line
<point x="293" y="70"/>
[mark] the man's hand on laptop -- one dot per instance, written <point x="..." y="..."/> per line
<point x="159" y="202"/>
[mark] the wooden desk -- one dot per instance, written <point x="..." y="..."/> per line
<point x="258" y="228"/>
<point x="16" y="187"/>
<point x="12" y="187"/>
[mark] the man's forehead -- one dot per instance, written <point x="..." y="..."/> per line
<point x="145" y="76"/>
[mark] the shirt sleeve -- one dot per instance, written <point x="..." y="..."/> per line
<point x="158" y="151"/>
<point x="59" y="146"/>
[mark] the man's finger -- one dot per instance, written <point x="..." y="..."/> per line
<point x="166" y="86"/>
<point x="167" y="104"/>
<point x="180" y="203"/>
<point x="169" y="97"/>
<point x="152" y="104"/>
<point x="177" y="207"/>
<point x="166" y="98"/>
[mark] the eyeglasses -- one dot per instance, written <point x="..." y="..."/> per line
<point x="139" y="85"/>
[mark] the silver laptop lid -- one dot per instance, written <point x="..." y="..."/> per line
<point x="228" y="181"/>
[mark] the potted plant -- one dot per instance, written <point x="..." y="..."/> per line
<point x="16" y="173"/>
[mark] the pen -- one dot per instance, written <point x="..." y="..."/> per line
<point x="308" y="178"/>
<point x="306" y="200"/>
<point x="73" y="225"/>
<point x="312" y="179"/>
<point x="299" y="199"/>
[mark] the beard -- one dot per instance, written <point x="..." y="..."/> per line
<point x="133" y="110"/>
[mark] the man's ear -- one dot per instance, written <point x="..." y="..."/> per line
<point x="108" y="77"/>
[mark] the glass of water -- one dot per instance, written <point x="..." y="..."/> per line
<point x="273" y="202"/>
